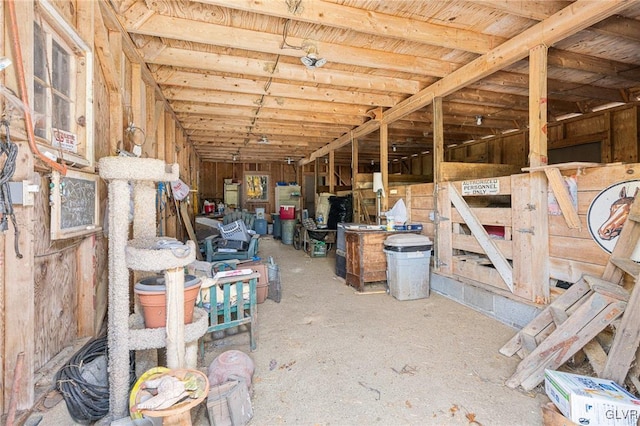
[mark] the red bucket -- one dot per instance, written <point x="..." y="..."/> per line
<point x="287" y="212"/>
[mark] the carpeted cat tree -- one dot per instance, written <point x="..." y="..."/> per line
<point x="145" y="252"/>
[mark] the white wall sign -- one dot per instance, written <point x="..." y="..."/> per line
<point x="65" y="140"/>
<point x="481" y="187"/>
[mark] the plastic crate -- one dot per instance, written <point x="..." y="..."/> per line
<point x="318" y="248"/>
<point x="236" y="231"/>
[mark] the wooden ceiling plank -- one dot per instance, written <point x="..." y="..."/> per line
<point x="370" y="22"/>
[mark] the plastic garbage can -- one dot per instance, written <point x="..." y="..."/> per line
<point x="408" y="258"/>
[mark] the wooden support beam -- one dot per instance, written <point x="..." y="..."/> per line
<point x="331" y="172"/>
<point x="384" y="165"/>
<point x="569" y="212"/>
<point x="438" y="158"/>
<point x="539" y="219"/>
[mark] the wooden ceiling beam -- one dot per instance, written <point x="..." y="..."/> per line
<point x="252" y="86"/>
<point x="186" y="109"/>
<point x="241" y="99"/>
<point x="370" y="22"/>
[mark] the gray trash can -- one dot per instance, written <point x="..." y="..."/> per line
<point x="408" y="258"/>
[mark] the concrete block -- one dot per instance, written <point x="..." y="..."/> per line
<point x="478" y="298"/>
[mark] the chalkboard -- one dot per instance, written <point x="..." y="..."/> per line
<point x="74" y="200"/>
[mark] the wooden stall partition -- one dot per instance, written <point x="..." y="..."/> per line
<point x="575" y="252"/>
<point x="420" y="206"/>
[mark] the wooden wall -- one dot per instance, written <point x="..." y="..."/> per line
<point x="616" y="129"/>
<point x="56" y="293"/>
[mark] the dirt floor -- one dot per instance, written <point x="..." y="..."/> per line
<point x="328" y="355"/>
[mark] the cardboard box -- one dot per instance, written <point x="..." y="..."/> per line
<point x="591" y="401"/>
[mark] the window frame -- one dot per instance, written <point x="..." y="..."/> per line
<point x="80" y="115"/>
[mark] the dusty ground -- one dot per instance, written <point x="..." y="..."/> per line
<point x="329" y="356"/>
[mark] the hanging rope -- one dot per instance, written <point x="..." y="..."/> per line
<point x="10" y="149"/>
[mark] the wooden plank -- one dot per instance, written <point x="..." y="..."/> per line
<point x="470" y="243"/>
<point x="455" y="171"/>
<point x="86" y="281"/>
<point x="443" y="261"/>
<point x="627" y="241"/>
<point x="582" y="326"/>
<point x="569" y="298"/>
<point x="574" y="165"/>
<point x="572" y="270"/>
<point x="608" y="289"/>
<point x="500" y="263"/>
<point x="627" y="265"/>
<point x="625" y="343"/>
<point x="186" y="219"/>
<point x="597" y="356"/>
<point x="496" y="216"/>
<point x="556" y="181"/>
<point x="559" y="316"/>
<point x="577" y="249"/>
<point x="476" y="272"/>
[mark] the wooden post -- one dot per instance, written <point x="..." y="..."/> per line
<point x="384" y="164"/>
<point x="331" y="172"/>
<point x="539" y="256"/>
<point x="19" y="290"/>
<point x="354" y="178"/>
<point x="438" y="158"/>
<point x="86" y="279"/>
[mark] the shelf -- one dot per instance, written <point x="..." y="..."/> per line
<point x="148" y="254"/>
<point x="141" y="338"/>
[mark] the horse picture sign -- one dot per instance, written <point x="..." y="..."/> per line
<point x="608" y="212"/>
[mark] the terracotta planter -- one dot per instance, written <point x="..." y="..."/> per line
<point x="151" y="292"/>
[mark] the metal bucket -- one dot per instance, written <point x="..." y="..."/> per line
<point x="288" y="228"/>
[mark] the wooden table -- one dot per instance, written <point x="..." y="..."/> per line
<point x="365" y="258"/>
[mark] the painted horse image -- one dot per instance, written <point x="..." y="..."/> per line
<point x="618" y="213"/>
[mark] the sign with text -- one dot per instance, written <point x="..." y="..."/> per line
<point x="481" y="187"/>
<point x="65" y="140"/>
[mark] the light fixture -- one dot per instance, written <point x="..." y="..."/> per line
<point x="234" y="157"/>
<point x="311" y="61"/>
<point x="393" y="147"/>
<point x="326" y="160"/>
<point x="478" y="120"/>
<point x="372" y="162"/>
<point x="289" y="161"/>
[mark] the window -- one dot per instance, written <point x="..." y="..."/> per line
<point x="62" y="68"/>
<point x="53" y="85"/>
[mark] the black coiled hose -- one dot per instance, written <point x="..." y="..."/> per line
<point x="86" y="402"/>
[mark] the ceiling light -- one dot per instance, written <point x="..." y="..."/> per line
<point x="478" y="120"/>
<point x="311" y="61"/>
<point x="326" y="160"/>
<point x="234" y="157"/>
<point x="393" y="147"/>
<point x="289" y="161"/>
<point x="372" y="162"/>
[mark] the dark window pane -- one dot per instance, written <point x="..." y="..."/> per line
<point x="61" y="69"/>
<point x="39" y="46"/>
<point x="61" y="113"/>
<point x="40" y="106"/>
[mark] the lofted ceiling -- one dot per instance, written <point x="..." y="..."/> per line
<point x="232" y="72"/>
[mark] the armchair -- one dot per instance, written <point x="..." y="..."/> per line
<point x="246" y="217"/>
<point x="212" y="255"/>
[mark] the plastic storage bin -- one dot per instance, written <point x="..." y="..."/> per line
<point x="408" y="257"/>
<point x="260" y="226"/>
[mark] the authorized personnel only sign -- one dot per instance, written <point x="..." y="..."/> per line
<point x="481" y="187"/>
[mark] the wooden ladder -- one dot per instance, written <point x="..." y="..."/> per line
<point x="572" y="321"/>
